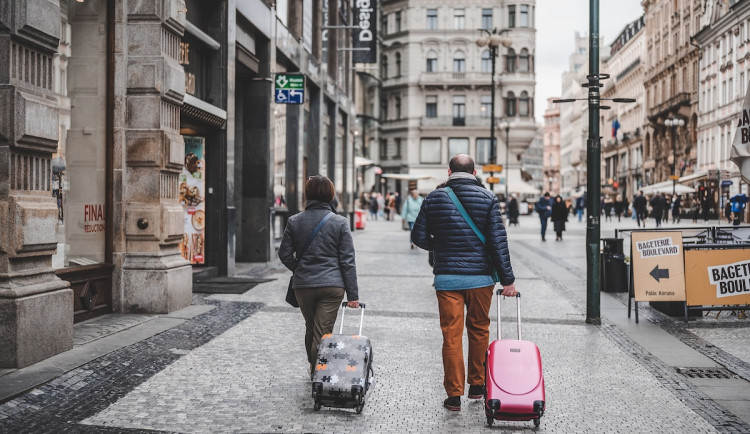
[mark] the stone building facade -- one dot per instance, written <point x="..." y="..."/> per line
<point x="574" y="122"/>
<point x="140" y="146"/>
<point x="622" y="146"/>
<point x="551" y="157"/>
<point x="436" y="94"/>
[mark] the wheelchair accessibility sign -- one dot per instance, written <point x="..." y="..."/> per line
<point x="289" y="89"/>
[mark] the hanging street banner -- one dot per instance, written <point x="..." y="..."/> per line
<point x="364" y="37"/>
<point x="658" y="266"/>
<point x="740" y="154"/>
<point x="718" y="277"/>
<point x="289" y="88"/>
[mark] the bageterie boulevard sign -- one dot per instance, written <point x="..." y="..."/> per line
<point x="289" y="89"/>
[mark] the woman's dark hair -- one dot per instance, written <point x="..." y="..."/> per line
<point x="320" y="188"/>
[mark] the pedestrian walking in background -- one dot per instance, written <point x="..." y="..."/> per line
<point x="410" y="211"/>
<point x="657" y="208"/>
<point x="640" y="205"/>
<point x="381" y="205"/>
<point x="323" y="265"/>
<point x="544" y="209"/>
<point x="373" y="206"/>
<point x="464" y="271"/>
<point x="513" y="211"/>
<point x="387" y="206"/>
<point x="580" y="206"/>
<point x="397" y="201"/>
<point x="609" y="206"/>
<point x="666" y="207"/>
<point x="559" y="216"/>
<point x="695" y="207"/>
<point x="676" y="209"/>
<point x="620" y="207"/>
<point x="728" y="211"/>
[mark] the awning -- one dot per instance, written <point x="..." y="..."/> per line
<point x="405" y="176"/>
<point x="361" y="161"/>
<point x="693" y="177"/>
<point x="517" y="185"/>
<point x="666" y="187"/>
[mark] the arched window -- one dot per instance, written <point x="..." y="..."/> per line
<point x="523" y="61"/>
<point x="510" y="61"/>
<point x="486" y="61"/>
<point x="431" y="61"/>
<point x="510" y="104"/>
<point x="459" y="61"/>
<point x="523" y="104"/>
<point x="398" y="64"/>
<point x="384" y="67"/>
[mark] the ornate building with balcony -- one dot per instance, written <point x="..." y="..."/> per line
<point x="622" y="146"/>
<point x="436" y="98"/>
<point x="551" y="158"/>
<point x="574" y="122"/>
<point x="671" y="86"/>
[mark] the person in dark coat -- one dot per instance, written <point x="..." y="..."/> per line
<point x="619" y="207"/>
<point x="657" y="208"/>
<point x="640" y="206"/>
<point x="544" y="209"/>
<point x="513" y="212"/>
<point x="559" y="216"/>
<point x="463" y="269"/>
<point x="676" y="209"/>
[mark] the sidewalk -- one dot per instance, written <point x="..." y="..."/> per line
<point x="240" y="367"/>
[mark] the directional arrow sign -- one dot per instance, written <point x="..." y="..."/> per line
<point x="657" y="274"/>
<point x="289" y="88"/>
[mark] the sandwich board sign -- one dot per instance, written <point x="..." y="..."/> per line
<point x="718" y="277"/>
<point x="289" y="88"/>
<point x="658" y="266"/>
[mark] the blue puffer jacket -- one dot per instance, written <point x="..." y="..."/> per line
<point x="441" y="228"/>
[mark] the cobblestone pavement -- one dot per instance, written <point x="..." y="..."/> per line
<point x="241" y="367"/>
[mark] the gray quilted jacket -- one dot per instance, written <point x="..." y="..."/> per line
<point x="329" y="261"/>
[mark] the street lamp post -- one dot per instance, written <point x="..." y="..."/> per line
<point x="493" y="41"/>
<point x="506" y="125"/>
<point x="674" y="123"/>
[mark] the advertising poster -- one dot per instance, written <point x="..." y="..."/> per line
<point x="193" y="199"/>
<point x="718" y="277"/>
<point x="658" y="266"/>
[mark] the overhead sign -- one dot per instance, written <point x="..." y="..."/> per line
<point x="658" y="266"/>
<point x="718" y="277"/>
<point x="674" y="177"/>
<point x="289" y="88"/>
<point x="492" y="168"/>
<point x="493" y="180"/>
<point x="364" y="37"/>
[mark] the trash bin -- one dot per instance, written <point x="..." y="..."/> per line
<point x="615" y="277"/>
<point x="359" y="219"/>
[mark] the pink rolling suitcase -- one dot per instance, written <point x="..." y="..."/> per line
<point x="515" y="385"/>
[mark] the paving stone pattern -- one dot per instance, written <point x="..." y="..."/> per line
<point x="59" y="405"/>
<point x="102" y="326"/>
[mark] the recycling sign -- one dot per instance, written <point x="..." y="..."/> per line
<point x="289" y="88"/>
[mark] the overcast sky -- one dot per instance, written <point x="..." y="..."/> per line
<point x="557" y="21"/>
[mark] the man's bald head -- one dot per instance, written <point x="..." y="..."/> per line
<point x="461" y="163"/>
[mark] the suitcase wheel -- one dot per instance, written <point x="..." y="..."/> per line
<point x="317" y="405"/>
<point x="360" y="407"/>
<point x="490" y="420"/>
<point x="536" y="421"/>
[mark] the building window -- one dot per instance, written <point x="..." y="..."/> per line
<point x="510" y="61"/>
<point x="383" y="149"/>
<point x="398" y="22"/>
<point x="510" y="104"/>
<point x="429" y="151"/>
<point x="432" y="21"/>
<point x="431" y="61"/>
<point x="398" y="64"/>
<point x="384" y="67"/>
<point x="487" y="19"/>
<point x="398" y="148"/>
<point x="486" y="107"/>
<point x="524" y="16"/>
<point x="384" y="24"/>
<point x="398" y="107"/>
<point x="523" y="61"/>
<point x="486" y="61"/>
<point x="459" y="16"/>
<point x="459" y="61"/>
<point x="483" y="151"/>
<point x="430" y="110"/>
<point x="459" y="110"/>
<point x="511" y="16"/>
<point x="523" y="104"/>
<point x="384" y="109"/>
<point x="457" y="146"/>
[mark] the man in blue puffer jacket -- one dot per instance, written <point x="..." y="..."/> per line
<point x="463" y="272"/>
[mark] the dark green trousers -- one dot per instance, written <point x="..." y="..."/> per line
<point x="319" y="307"/>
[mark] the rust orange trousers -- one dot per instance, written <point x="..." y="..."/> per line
<point x="477" y="303"/>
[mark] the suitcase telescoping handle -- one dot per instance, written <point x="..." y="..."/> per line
<point x="518" y="314"/>
<point x="361" y="317"/>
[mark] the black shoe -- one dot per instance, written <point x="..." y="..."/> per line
<point x="453" y="403"/>
<point x="476" y="391"/>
